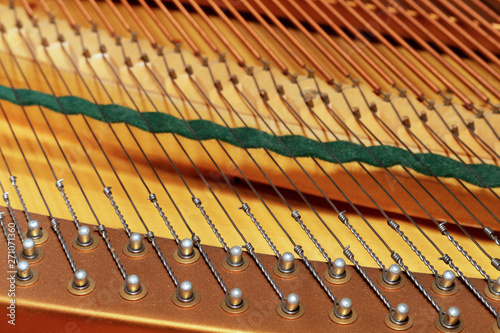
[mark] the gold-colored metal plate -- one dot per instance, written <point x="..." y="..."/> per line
<point x="136" y="255"/>
<point x="441" y="328"/>
<point x="35" y="260"/>
<point x="240" y="268"/>
<point x="91" y="247"/>
<point x="246" y="305"/>
<point x="399" y="285"/>
<point x="41" y="240"/>
<point x="450" y="292"/>
<point x="283" y="314"/>
<point x="195" y="301"/>
<point x="134" y="297"/>
<point x="397" y="327"/>
<point x="343" y="280"/>
<point x="495" y="328"/>
<point x="81" y="292"/>
<point x="30" y="282"/>
<point x="282" y="275"/>
<point x="343" y="321"/>
<point x="186" y="261"/>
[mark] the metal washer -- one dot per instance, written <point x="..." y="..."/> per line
<point x="195" y="301"/>
<point x="438" y="291"/>
<point x="40" y="240"/>
<point x="246" y="305"/>
<point x="27" y="283"/>
<point x="35" y="260"/>
<point x="388" y="322"/>
<point x="91" y="247"/>
<point x="136" y="255"/>
<point x="343" y="321"/>
<point x="332" y="280"/>
<point x="81" y="292"/>
<point x="186" y="261"/>
<point x="441" y="328"/>
<point x="240" y="268"/>
<point x="385" y="285"/>
<point x="291" y="275"/>
<point x="134" y="297"/>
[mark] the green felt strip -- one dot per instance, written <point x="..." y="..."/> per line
<point x="253" y="138"/>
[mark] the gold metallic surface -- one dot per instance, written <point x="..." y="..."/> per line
<point x="137" y="255"/>
<point x="30" y="282"/>
<point x="81" y="292"/>
<point x="343" y="280"/>
<point x="42" y="239"/>
<point x="195" y="301"/>
<point x="343" y="321"/>
<point x="35" y="260"/>
<point x="443" y="329"/>
<point x="240" y="310"/>
<point x="396" y="327"/>
<point x="186" y="261"/>
<point x="91" y="247"/>
<point x="240" y="268"/>
<point x="385" y="285"/>
<point x="282" y="275"/>
<point x="450" y="292"/>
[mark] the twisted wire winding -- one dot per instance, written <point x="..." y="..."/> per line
<point x="109" y="195"/>
<point x="246" y="209"/>
<point x="350" y="256"/>
<point x="102" y="231"/>
<point x="297" y="217"/>
<point x="472" y="288"/>
<point x="60" y="187"/>
<point x="196" y="241"/>
<point x="55" y="226"/>
<point x="298" y="249"/>
<point x="13" y="181"/>
<point x="152" y="198"/>
<point x="397" y="258"/>
<point x="491" y="234"/>
<point x="152" y="239"/>
<point x="345" y="220"/>
<point x="394" y="225"/>
<point x="264" y="271"/>
<point x="197" y="203"/>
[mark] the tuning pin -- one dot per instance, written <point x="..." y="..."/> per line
<point x="445" y="284"/>
<point x="492" y="290"/>
<point x="343" y="312"/>
<point x="399" y="319"/>
<point x="291" y="307"/>
<point x="85" y="241"/>
<point x="336" y="273"/>
<point x="25" y="275"/>
<point x="36" y="232"/>
<point x="133" y="289"/>
<point x="235" y="302"/>
<point x="392" y="278"/>
<point x="451" y="321"/>
<point x="185" y="252"/>
<point x="135" y="247"/>
<point x="81" y="284"/>
<point x="285" y="267"/>
<point x="185" y="296"/>
<point x="234" y="260"/>
<point x="30" y="252"/>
